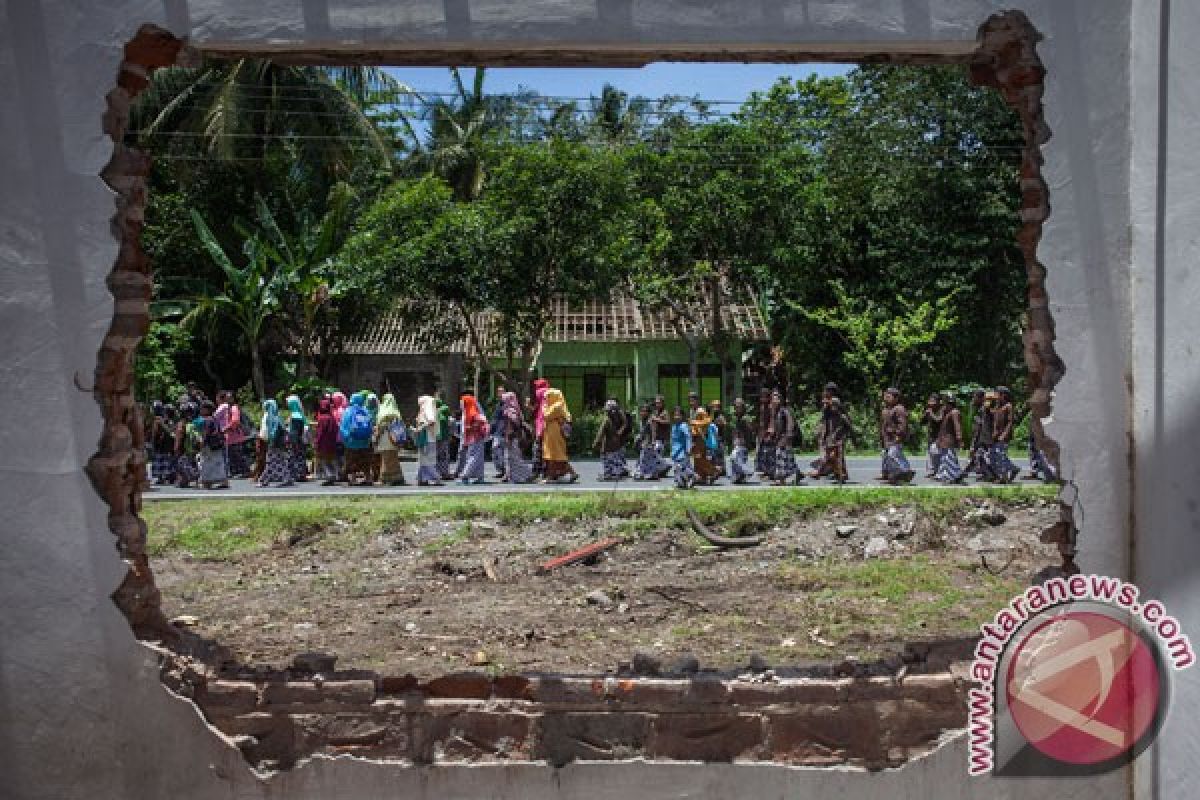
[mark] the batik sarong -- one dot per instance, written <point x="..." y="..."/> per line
<point x="516" y="468"/>
<point x="948" y="468"/>
<point x="472" y="460"/>
<point x="186" y="470"/>
<point x="277" y="468"/>
<point x="213" y="467"/>
<point x="895" y="464"/>
<point x="427" y="464"/>
<point x="1002" y="466"/>
<point x="613" y="466"/>
<point x="443" y="459"/>
<point x="741" y="464"/>
<point x="162" y="467"/>
<point x="785" y="463"/>
<point x="685" y="476"/>
<point x="764" y="459"/>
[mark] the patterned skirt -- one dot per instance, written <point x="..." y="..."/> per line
<point x="472" y="460"/>
<point x="649" y="464"/>
<point x="443" y="459"/>
<point x="162" y="467"/>
<point x="685" y="476"/>
<point x="717" y="457"/>
<point x="764" y="459"/>
<point x="895" y="464"/>
<point x="516" y="468"/>
<point x="785" y="463"/>
<point x="741" y="463"/>
<point x="213" y="466"/>
<point x="499" y="455"/>
<point x="613" y="466"/>
<point x="278" y="467"/>
<point x="539" y="464"/>
<point x="1038" y="463"/>
<point x="327" y="467"/>
<point x="427" y="464"/>
<point x="948" y="468"/>
<point x="1002" y="466"/>
<point x="239" y="466"/>
<point x="933" y="457"/>
<point x="298" y="461"/>
<point x="186" y="470"/>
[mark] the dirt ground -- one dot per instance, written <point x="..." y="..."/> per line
<point x="445" y="595"/>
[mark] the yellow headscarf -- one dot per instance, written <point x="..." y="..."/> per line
<point x="555" y="405"/>
<point x="700" y="422"/>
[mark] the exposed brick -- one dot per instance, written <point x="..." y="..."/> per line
<point x="571" y="691"/>
<point x="344" y="729"/>
<point x="592" y="735"/>
<point x="330" y="694"/>
<point x="460" y="684"/>
<point x="706" y="737"/>
<point x="228" y="695"/>
<point x="847" y="732"/>
<point x="256" y="723"/>
<point x="513" y="687"/>
<point x="391" y="684"/>
<point x="786" y="692"/>
<point x="471" y="736"/>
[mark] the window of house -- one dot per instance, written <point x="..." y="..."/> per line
<point x="674" y="383"/>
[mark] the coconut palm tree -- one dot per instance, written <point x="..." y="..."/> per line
<point x="254" y="110"/>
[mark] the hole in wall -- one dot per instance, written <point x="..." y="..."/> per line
<point x="279" y="716"/>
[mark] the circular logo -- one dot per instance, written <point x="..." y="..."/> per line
<point x="1086" y="689"/>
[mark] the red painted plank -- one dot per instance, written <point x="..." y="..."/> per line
<point x="580" y="554"/>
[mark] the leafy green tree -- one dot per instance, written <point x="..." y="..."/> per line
<point x="249" y="299"/>
<point x="887" y="347"/>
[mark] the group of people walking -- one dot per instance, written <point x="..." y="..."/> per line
<point x="357" y="440"/>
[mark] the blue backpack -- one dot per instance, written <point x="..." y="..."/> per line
<point x="360" y="426"/>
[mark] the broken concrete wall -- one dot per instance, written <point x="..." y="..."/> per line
<point x="84" y="713"/>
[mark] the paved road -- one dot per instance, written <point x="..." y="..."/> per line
<point x="862" y="473"/>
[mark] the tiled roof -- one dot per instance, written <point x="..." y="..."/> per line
<point x="621" y="319"/>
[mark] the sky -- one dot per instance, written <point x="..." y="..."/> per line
<point x="712" y="82"/>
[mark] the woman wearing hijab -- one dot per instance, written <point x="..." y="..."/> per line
<point x="610" y="442"/>
<point x="475" y="430"/>
<point x="162" y="445"/>
<point x="298" y="436"/>
<point x="555" y="418"/>
<point x="274" y="433"/>
<point x="540" y="387"/>
<point x="325" y="442"/>
<point x="721" y="421"/>
<point x="338" y="403"/>
<point x="516" y="436"/>
<point x="443" y="440"/>
<point x="214" y="466"/>
<point x="186" y="445"/>
<point x="700" y="422"/>
<point x="425" y="433"/>
<point x="784" y="433"/>
<point x="357" y="428"/>
<point x="387" y="448"/>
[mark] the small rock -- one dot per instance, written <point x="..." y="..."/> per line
<point x="976" y="544"/>
<point x="304" y="627"/>
<point x="184" y="621"/>
<point x="844" y="531"/>
<point x="757" y="663"/>
<point x="411" y="627"/>
<point x="598" y="598"/>
<point x="877" y="546"/>
<point x="646" y="664"/>
<point x="686" y="664"/>
<point x="480" y="659"/>
<point x="314" y="662"/>
<point x="788" y="642"/>
<point x="882" y="519"/>
<point x="622" y="608"/>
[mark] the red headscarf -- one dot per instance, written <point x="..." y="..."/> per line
<point x="470" y="409"/>
<point x="539" y="398"/>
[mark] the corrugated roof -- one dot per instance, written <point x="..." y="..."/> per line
<point x="620" y="319"/>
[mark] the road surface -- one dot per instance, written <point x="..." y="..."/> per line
<point x="863" y="471"/>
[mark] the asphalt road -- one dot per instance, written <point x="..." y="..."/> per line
<point x="863" y="471"/>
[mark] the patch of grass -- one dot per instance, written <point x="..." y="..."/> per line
<point x="456" y="536"/>
<point x="222" y="529"/>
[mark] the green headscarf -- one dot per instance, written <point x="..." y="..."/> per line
<point x="388" y="410"/>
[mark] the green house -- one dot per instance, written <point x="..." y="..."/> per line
<point x="591" y="352"/>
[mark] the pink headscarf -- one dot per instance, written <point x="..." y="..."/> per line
<point x="339" y="406"/>
<point x="539" y="398"/>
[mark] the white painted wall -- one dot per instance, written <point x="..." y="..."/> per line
<point x="81" y="710"/>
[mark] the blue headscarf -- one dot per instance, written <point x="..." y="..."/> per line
<point x="298" y="422"/>
<point x="356" y="400"/>
<point x="271" y="420"/>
